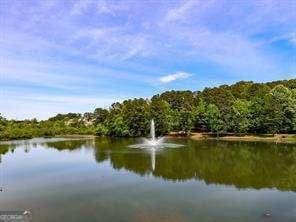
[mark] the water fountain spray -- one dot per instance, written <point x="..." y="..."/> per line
<point x="152" y="129"/>
<point x="154" y="144"/>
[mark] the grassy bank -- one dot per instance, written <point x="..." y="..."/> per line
<point x="276" y="138"/>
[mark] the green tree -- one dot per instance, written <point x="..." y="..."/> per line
<point x="178" y="99"/>
<point x="292" y="110"/>
<point x="240" y="115"/>
<point x="213" y="118"/>
<point x="100" y="115"/>
<point x="199" y="115"/>
<point x="161" y="113"/>
<point x="117" y="127"/>
<point x="258" y="107"/>
<point x="101" y="130"/>
<point x="186" y="121"/>
<point x="136" y="116"/>
<point x="281" y="109"/>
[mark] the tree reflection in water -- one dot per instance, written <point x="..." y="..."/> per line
<point x="242" y="164"/>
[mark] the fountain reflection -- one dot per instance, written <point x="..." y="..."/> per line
<point x="152" y="159"/>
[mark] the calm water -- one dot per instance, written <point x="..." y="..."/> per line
<point x="105" y="180"/>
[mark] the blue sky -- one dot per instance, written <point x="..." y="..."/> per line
<point x="72" y="56"/>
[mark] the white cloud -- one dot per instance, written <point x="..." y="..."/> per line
<point x="292" y="38"/>
<point x="81" y="6"/>
<point x="174" y="77"/>
<point x="114" y="43"/>
<point x="181" y="12"/>
<point x="104" y="8"/>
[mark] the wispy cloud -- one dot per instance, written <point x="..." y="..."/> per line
<point x="230" y="50"/>
<point x="174" y="76"/>
<point x="100" y="7"/>
<point x="80" y="6"/>
<point x="293" y="38"/>
<point x="289" y="37"/>
<point x="181" y="12"/>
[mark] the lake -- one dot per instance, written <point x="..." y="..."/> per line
<point x="103" y="179"/>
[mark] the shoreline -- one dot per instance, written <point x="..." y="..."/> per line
<point x="276" y="138"/>
<point x="70" y="136"/>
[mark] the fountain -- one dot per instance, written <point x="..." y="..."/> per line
<point x="154" y="144"/>
<point x="152" y="130"/>
<point x="153" y="141"/>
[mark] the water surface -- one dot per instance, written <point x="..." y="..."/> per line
<point x="106" y="180"/>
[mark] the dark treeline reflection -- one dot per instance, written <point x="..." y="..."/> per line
<point x="69" y="144"/>
<point x="122" y="157"/>
<point x="4" y="148"/>
<point x="242" y="164"/>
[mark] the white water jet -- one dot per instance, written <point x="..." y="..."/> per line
<point x="152" y="129"/>
<point x="153" y="142"/>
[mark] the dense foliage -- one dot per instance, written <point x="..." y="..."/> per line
<point x="244" y="107"/>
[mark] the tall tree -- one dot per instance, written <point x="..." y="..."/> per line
<point x="186" y="120"/>
<point x="240" y="116"/>
<point x="136" y="116"/>
<point x="281" y="109"/>
<point x="213" y="118"/>
<point x="199" y="115"/>
<point x="161" y="113"/>
<point x="100" y="115"/>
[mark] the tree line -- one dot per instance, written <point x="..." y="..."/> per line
<point x="244" y="107"/>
